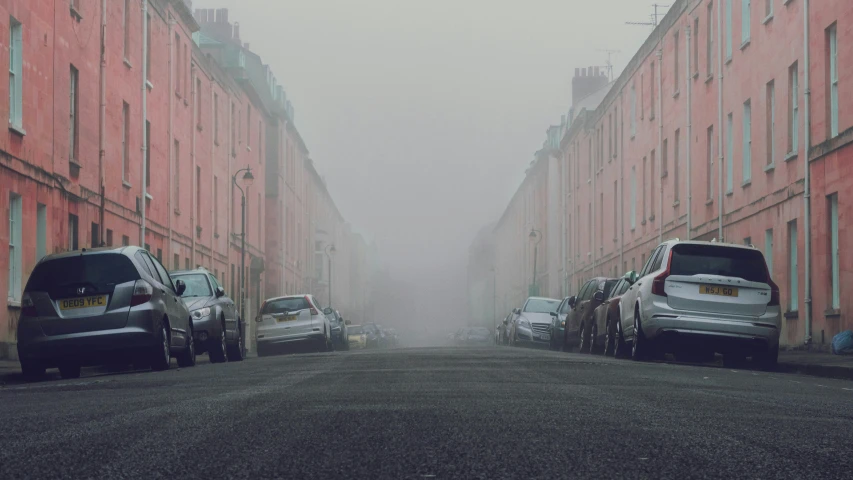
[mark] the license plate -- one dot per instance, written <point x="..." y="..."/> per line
<point x="83" y="302"/>
<point x="544" y="336"/>
<point x="718" y="290"/>
<point x="286" y="318"/>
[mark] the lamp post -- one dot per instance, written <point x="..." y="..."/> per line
<point x="535" y="235"/>
<point x="248" y="180"/>
<point x="330" y="250"/>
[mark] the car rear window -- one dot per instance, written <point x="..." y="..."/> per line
<point x="197" y="285"/>
<point x="104" y="270"/>
<point x="718" y="260"/>
<point x="285" y="305"/>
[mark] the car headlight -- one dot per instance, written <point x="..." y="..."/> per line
<point x="563" y="324"/>
<point x="524" y="323"/>
<point x="201" y="313"/>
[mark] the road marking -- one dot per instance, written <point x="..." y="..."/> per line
<point x="819" y="385"/>
<point x="848" y="389"/>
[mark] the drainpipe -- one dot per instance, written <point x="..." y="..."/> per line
<point x="171" y="137"/>
<point x="720" y="124"/>
<point x="102" y="121"/>
<point x="808" y="186"/>
<point x="594" y="225"/>
<point x="195" y="95"/>
<point x="144" y="120"/>
<point x="689" y="140"/>
<point x="565" y="286"/>
<point x="660" y="137"/>
<point x="622" y="177"/>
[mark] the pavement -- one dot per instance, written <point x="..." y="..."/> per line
<point x="486" y="412"/>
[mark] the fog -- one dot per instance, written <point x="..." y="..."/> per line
<point x="422" y="115"/>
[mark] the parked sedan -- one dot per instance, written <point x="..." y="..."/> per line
<point x="91" y="307"/>
<point x="290" y="321"/>
<point x="216" y="327"/>
<point x="357" y="338"/>
<point x="339" y="328"/>
<point x="558" y="324"/>
<point x="580" y="329"/>
<point x="606" y="317"/>
<point x="477" y="336"/>
<point x="533" y="325"/>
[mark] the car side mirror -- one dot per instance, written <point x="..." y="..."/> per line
<point x="553" y="314"/>
<point x="572" y="301"/>
<point x="327" y="311"/>
<point x="632" y="277"/>
<point x="180" y="287"/>
<point x="516" y="311"/>
<point x="220" y="292"/>
<point x="598" y="296"/>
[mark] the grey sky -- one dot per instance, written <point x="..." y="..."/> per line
<point x="422" y="115"/>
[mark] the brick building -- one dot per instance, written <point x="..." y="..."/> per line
<point x="186" y="108"/>
<point x="705" y="135"/>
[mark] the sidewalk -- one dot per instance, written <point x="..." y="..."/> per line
<point x="817" y="364"/>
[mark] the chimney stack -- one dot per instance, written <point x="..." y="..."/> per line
<point x="589" y="80"/>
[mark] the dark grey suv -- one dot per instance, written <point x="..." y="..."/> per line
<point x="216" y="326"/>
<point x="100" y="306"/>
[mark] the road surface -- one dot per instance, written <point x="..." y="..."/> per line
<point x="430" y="413"/>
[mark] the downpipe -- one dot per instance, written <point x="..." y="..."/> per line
<point x="142" y="204"/>
<point x="808" y="186"/>
<point x="689" y="139"/>
<point x="720" y="129"/>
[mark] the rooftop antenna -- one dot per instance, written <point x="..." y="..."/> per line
<point x="608" y="66"/>
<point x="653" y="18"/>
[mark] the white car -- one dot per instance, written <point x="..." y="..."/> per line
<point x="291" y="321"/>
<point x="695" y="299"/>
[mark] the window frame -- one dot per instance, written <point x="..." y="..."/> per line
<point x="15" y="287"/>
<point x="16" y="74"/>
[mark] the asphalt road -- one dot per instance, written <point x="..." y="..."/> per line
<point x="422" y="413"/>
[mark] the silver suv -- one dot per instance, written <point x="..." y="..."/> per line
<point x="93" y="307"/>
<point x="694" y="299"/>
<point x="291" y="321"/>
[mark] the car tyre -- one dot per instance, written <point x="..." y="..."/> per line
<point x="593" y="335"/>
<point x="187" y="357"/>
<point x="609" y="340"/>
<point x="584" y="334"/>
<point x="235" y="351"/>
<point x="769" y="360"/>
<point x="161" y="354"/>
<point x="620" y="349"/>
<point x="70" y="370"/>
<point x="639" y="347"/>
<point x="32" y="370"/>
<point x="216" y="347"/>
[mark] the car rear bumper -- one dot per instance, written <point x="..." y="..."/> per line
<point x="265" y="342"/>
<point x="758" y="334"/>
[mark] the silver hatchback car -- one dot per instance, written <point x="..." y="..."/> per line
<point x="697" y="298"/>
<point x="92" y="307"/>
<point x="290" y="321"/>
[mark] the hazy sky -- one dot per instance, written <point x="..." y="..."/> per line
<point x="423" y="114"/>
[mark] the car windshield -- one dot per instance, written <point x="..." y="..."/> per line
<point x="541" y="305"/>
<point x="197" y="285"/>
<point x="354" y="330"/>
<point x="285" y="305"/>
<point x="102" y="271"/>
<point x="748" y="264"/>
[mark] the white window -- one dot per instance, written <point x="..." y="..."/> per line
<point x="833" y="250"/>
<point x="41" y="231"/>
<point x="633" y="198"/>
<point x="16" y="73"/>
<point x="771" y="122"/>
<point x="793" y="109"/>
<point x="633" y="110"/>
<point x="793" y="272"/>
<point x="745" y="19"/>
<point x="729" y="28"/>
<point x="747" y="141"/>
<point x="729" y="153"/>
<point x="833" y="80"/>
<point x="15" y="247"/>
<point x="768" y="249"/>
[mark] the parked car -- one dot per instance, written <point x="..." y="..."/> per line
<point x="216" y="327"/>
<point x="558" y="324"/>
<point x="503" y="330"/>
<point x="291" y="321"/>
<point x="533" y="325"/>
<point x="477" y="336"/>
<point x="580" y="329"/>
<point x="93" y="307"/>
<point x="393" y="338"/>
<point x="357" y="338"/>
<point x="340" y="339"/>
<point x="695" y="299"/>
<point x="606" y="315"/>
<point x="375" y="335"/>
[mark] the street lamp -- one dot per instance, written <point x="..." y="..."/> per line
<point x="535" y="235"/>
<point x="330" y="250"/>
<point x="248" y="180"/>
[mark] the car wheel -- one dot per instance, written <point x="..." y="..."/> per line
<point x="584" y="334"/>
<point x="620" y="349"/>
<point x="593" y="339"/>
<point x="70" y="370"/>
<point x="161" y="354"/>
<point x="609" y="333"/>
<point x="216" y="348"/>
<point x="235" y="351"/>
<point x="32" y="369"/>
<point x="187" y="357"/>
<point x="768" y="360"/>
<point x="639" y="349"/>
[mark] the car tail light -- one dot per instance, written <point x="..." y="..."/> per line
<point x="313" y="310"/>
<point x="28" y="308"/>
<point x="659" y="282"/>
<point x="774" y="293"/>
<point x="142" y="293"/>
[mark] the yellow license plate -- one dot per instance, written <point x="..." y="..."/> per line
<point x="718" y="290"/>
<point x="288" y="318"/>
<point x="83" y="302"/>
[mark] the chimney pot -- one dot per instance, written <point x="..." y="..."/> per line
<point x="577" y="72"/>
